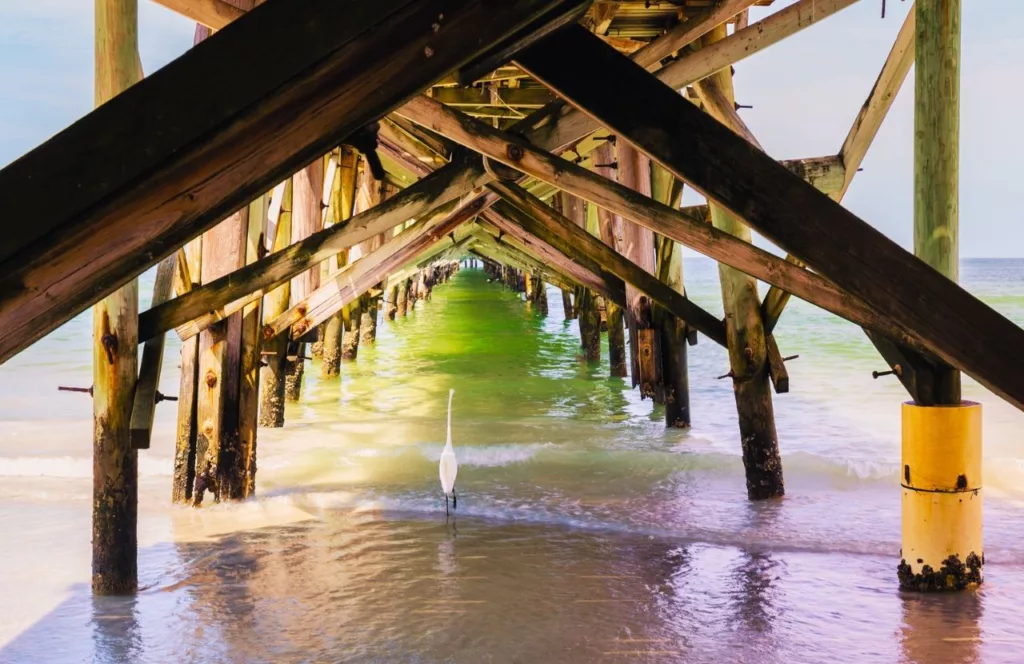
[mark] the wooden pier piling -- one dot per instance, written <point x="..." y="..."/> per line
<point x="637" y="244"/>
<point x="115" y="472"/>
<point x="586" y="312"/>
<point x="346" y="183"/>
<point x="273" y="374"/>
<point x="673" y="331"/>
<point x="184" y="474"/>
<point x="307" y="188"/>
<point x="747" y="350"/>
<point x="609" y="228"/>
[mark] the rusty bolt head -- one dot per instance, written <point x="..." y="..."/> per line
<point x="514" y="152"/>
<point x="748" y="353"/>
<point x="211" y="378"/>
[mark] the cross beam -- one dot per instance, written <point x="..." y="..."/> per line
<point x="954" y="325"/>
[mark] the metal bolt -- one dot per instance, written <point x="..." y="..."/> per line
<point x="84" y="390"/>
<point x="514" y="152"/>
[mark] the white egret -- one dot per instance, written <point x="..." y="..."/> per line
<point x="449" y="467"/>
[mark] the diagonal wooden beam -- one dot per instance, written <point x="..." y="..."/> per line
<point x="650" y="56"/>
<point x="168" y="158"/>
<point x="145" y="399"/>
<point x="859" y="139"/>
<point x="559" y="125"/>
<point x="956" y="326"/>
<point x="561" y="233"/>
<point x="441" y="188"/>
<point x="660" y="218"/>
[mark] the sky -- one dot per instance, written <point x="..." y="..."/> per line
<point x="805" y="92"/>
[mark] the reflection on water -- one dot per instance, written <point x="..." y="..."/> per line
<point x="585" y="531"/>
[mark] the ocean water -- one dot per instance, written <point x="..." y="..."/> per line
<point x="586" y="531"/>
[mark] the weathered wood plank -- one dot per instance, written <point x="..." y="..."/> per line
<point x="786" y="210"/>
<point x="144" y="407"/>
<point x="155" y="166"/>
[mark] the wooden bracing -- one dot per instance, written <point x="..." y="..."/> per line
<point x="784" y="208"/>
<point x="174" y="154"/>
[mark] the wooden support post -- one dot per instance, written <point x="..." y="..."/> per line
<point x="609" y="226"/>
<point x="937" y="152"/>
<point x="344" y="208"/>
<point x="673" y="332"/>
<point x="374" y="194"/>
<point x="567" y="308"/>
<point x="352" y="315"/>
<point x="402" y="298"/>
<point x="747" y="350"/>
<point x="220" y="348"/>
<point x="187" y="431"/>
<point x="392" y="302"/>
<point x="220" y="352"/>
<point x="238" y="470"/>
<point x="636" y="243"/>
<point x="307" y="186"/>
<point x="574" y="209"/>
<point x="144" y="408"/>
<point x="273" y="375"/>
<point x="942" y="547"/>
<point x="115" y="472"/>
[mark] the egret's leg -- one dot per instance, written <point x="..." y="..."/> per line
<point x="446" y="504"/>
<point x="455" y="500"/>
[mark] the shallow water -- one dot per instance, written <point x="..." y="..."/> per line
<point x="585" y="530"/>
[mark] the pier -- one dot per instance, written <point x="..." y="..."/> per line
<point x="313" y="169"/>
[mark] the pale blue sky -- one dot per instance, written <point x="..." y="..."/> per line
<point x="806" y="92"/>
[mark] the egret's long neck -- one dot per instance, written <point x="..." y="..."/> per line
<point x="451" y="393"/>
